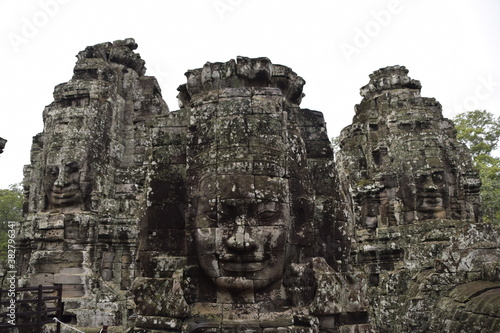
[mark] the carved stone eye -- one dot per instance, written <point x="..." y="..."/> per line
<point x="72" y="167"/>
<point x="268" y="216"/>
<point x="218" y="216"/>
<point x="53" y="171"/>
<point x="211" y="215"/>
<point x="438" y="177"/>
<point x="421" y="179"/>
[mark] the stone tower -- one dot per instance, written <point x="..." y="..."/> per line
<point x="414" y="196"/>
<point x="407" y="163"/>
<point x="85" y="184"/>
<point x="250" y="207"/>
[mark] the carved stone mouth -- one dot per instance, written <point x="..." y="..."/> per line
<point x="243" y="263"/>
<point x="430" y="195"/>
<point x="245" y="258"/>
<point x="246" y="267"/>
<point x="64" y="193"/>
<point x="436" y="200"/>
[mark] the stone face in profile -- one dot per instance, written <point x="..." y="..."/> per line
<point x="84" y="186"/>
<point x="415" y="201"/>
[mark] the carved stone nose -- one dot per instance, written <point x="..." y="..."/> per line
<point x="60" y="181"/>
<point x="240" y="240"/>
<point x="429" y="185"/>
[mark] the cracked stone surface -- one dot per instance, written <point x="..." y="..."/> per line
<point x="232" y="215"/>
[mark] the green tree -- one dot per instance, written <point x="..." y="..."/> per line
<point x="480" y="131"/>
<point x="11" y="202"/>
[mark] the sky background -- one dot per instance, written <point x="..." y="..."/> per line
<point x="452" y="47"/>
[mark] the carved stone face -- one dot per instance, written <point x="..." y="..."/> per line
<point x="241" y="231"/>
<point x="62" y="186"/>
<point x="432" y="193"/>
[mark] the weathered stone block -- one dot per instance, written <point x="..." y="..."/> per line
<point x="72" y="290"/>
<point x="44" y="279"/>
<point x="68" y="279"/>
<point x="54" y="234"/>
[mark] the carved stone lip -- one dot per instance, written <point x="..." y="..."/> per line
<point x="243" y="263"/>
<point x="246" y="267"/>
<point x="430" y="195"/>
<point x="64" y="193"/>
<point x="432" y="200"/>
<point x="242" y="258"/>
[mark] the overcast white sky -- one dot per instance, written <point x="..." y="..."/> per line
<point x="452" y="47"/>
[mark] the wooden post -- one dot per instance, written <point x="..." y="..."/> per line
<point x="39" y="309"/>
<point x="60" y="310"/>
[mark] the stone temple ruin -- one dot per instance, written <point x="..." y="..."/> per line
<point x="232" y="215"/>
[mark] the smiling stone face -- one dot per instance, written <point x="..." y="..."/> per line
<point x="432" y="195"/>
<point x="241" y="237"/>
<point x="62" y="186"/>
<point x="237" y="165"/>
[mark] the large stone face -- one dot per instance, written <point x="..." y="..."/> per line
<point x="248" y="203"/>
<point x="231" y="215"/>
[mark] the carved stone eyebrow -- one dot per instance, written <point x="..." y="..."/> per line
<point x="72" y="165"/>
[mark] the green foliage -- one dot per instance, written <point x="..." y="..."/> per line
<point x="480" y="131"/>
<point x="11" y="202"/>
<point x="335" y="142"/>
